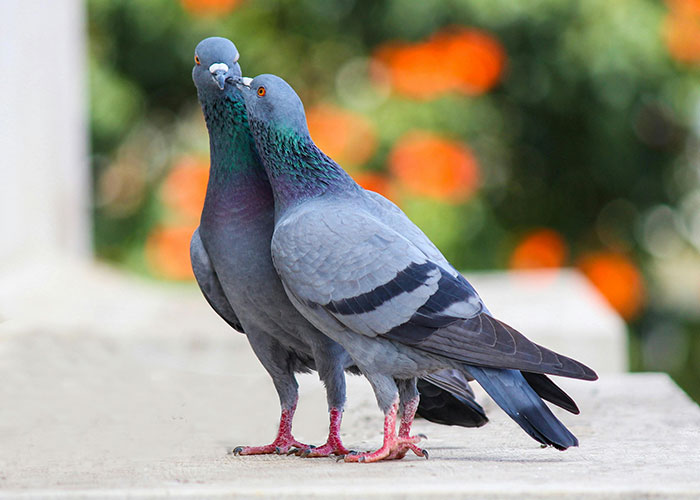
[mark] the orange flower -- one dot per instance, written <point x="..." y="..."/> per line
<point x="428" y="165"/>
<point x="618" y="279"/>
<point x="684" y="6"/>
<point x="168" y="251"/>
<point x="414" y="70"/>
<point x="681" y="30"/>
<point x="472" y="58"/>
<point x="378" y="183"/>
<point x="346" y="137"/>
<point x="682" y="34"/>
<point x="456" y="59"/>
<point x="541" y="248"/>
<point x="185" y="187"/>
<point x="209" y="7"/>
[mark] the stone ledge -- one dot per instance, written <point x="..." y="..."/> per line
<point x="92" y="417"/>
<point x="123" y="388"/>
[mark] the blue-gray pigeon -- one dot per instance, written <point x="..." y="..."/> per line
<point x="358" y="269"/>
<point x="230" y="253"/>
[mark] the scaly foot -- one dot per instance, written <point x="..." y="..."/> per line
<point x="403" y="449"/>
<point x="325" y="450"/>
<point x="407" y="415"/>
<point x="333" y="446"/>
<point x="394" y="447"/>
<point x="282" y="443"/>
<point x="278" y="446"/>
<point x="400" y="451"/>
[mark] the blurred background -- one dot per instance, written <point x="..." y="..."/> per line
<point x="543" y="134"/>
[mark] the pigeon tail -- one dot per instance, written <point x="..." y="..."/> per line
<point x="515" y="396"/>
<point x="448" y="408"/>
<point x="549" y="391"/>
<point x="445" y="403"/>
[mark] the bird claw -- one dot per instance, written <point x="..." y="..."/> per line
<point x="422" y="436"/>
<point x="393" y="451"/>
<point x="293" y="451"/>
<point x="341" y="458"/>
<point x="237" y="450"/>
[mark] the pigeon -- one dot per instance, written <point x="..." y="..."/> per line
<point x="231" y="260"/>
<point x="358" y="269"/>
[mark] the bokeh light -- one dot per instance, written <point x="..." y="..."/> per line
<point x="682" y="30"/>
<point x="121" y="189"/>
<point x="168" y="251"/>
<point x="379" y="183"/>
<point x="618" y="279"/>
<point x="347" y="137"/>
<point x="464" y="60"/>
<point x="185" y="187"/>
<point x="209" y="7"/>
<point x="427" y="164"/>
<point x="541" y="248"/>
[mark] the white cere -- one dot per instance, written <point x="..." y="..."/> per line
<point x="218" y="66"/>
<point x="247" y="81"/>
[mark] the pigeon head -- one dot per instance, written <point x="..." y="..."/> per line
<point x="215" y="61"/>
<point x="272" y="102"/>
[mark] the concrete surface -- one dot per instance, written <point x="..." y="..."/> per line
<point x="118" y="388"/>
<point x="86" y="417"/>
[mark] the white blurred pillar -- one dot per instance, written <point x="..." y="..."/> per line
<point x="44" y="180"/>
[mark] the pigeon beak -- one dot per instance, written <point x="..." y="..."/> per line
<point x="243" y="81"/>
<point x="218" y="73"/>
<point x="220" y="78"/>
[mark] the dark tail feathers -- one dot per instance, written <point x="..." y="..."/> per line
<point x="549" y="391"/>
<point x="511" y="391"/>
<point x="449" y="407"/>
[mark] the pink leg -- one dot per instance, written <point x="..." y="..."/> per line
<point x="334" y="445"/>
<point x="409" y="413"/>
<point x="392" y="443"/>
<point x="282" y="443"/>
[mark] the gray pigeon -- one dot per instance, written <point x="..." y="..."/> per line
<point x="358" y="269"/>
<point x="230" y="253"/>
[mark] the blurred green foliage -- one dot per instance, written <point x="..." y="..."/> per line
<point x="592" y="130"/>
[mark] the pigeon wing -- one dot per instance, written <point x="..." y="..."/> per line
<point x="376" y="282"/>
<point x="209" y="283"/>
<point x="369" y="277"/>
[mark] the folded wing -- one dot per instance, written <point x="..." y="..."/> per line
<point x="378" y="283"/>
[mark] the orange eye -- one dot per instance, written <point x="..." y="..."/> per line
<point x="261" y="91"/>
<point x="196" y="60"/>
